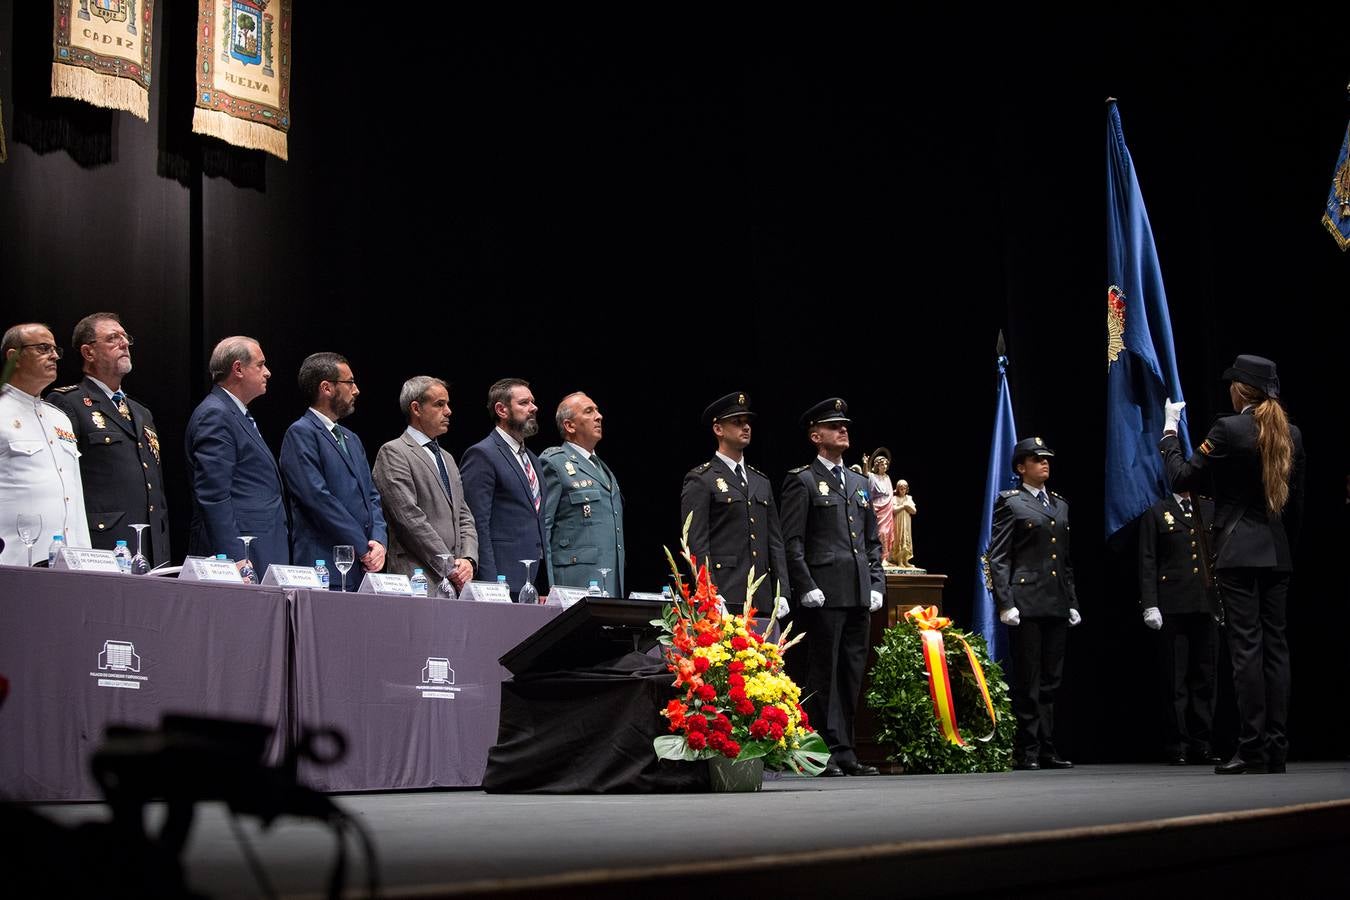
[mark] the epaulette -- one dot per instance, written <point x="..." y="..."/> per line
<point x="550" y="452"/>
<point x="701" y="468"/>
<point x="1012" y="493"/>
<point x="1060" y="496"/>
<point x="756" y="471"/>
<point x="66" y="390"/>
<point x="798" y="469"/>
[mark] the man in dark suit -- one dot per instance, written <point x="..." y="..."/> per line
<point x="583" y="513"/>
<point x="735" y="522"/>
<point x="421" y="492"/>
<point x="1033" y="585"/>
<point x="834" y="557"/>
<point x="505" y="490"/>
<point x="236" y="485"/>
<point x="119" y="445"/>
<point x="1175" y="603"/>
<point x="332" y="496"/>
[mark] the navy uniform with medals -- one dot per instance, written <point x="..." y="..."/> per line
<point x="120" y="468"/>
<point x="1034" y="588"/>
<point x="735" y="523"/>
<point x="1172" y="590"/>
<point x="583" y="518"/>
<point x="830" y="535"/>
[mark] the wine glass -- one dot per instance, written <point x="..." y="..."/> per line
<point x="344" y="556"/>
<point x="139" y="564"/>
<point x="528" y="594"/>
<point x="604" y="582"/>
<point x="29" y="526"/>
<point x="446" y="587"/>
<point x="246" y="570"/>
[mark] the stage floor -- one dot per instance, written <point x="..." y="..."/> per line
<point x="435" y="842"/>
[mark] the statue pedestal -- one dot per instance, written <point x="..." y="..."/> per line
<point x="903" y="592"/>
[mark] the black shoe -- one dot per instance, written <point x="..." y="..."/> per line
<point x="1054" y="762"/>
<point x="1239" y="766"/>
<point x="857" y="768"/>
<point x="1177" y="759"/>
<point x="1026" y="765"/>
<point x="1202" y="756"/>
<point x="831" y="771"/>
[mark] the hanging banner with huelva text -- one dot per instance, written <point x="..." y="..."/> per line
<point x="101" y="52"/>
<point x="244" y="73"/>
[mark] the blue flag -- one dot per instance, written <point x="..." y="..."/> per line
<point x="1337" y="216"/>
<point x="1141" y="362"/>
<point x="999" y="477"/>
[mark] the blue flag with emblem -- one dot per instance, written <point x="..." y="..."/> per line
<point x="1141" y="361"/>
<point x="999" y="477"/>
<point x="1337" y="216"/>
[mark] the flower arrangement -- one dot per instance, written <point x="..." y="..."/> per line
<point x="737" y="701"/>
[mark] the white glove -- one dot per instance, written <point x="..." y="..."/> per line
<point x="1010" y="617"/>
<point x="814" y="599"/>
<point x="877" y="600"/>
<point x="1074" y="618"/>
<point x="1172" y="414"/>
<point x="1153" y="618"/>
<point x="780" y="608"/>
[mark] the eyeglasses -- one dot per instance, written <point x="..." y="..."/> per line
<point x="344" y="381"/>
<point x="113" y="340"/>
<point x="44" y="349"/>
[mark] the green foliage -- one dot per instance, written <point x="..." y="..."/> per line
<point x="906" y="724"/>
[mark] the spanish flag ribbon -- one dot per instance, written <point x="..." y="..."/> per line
<point x="930" y="626"/>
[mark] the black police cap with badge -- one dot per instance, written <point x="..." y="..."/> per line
<point x="831" y="410"/>
<point x="737" y="403"/>
<point x="1032" y="446"/>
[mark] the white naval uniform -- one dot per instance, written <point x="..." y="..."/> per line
<point x="39" y="473"/>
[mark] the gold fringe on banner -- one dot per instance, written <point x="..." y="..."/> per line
<point x="239" y="132"/>
<point x="107" y="91"/>
<point x="3" y="154"/>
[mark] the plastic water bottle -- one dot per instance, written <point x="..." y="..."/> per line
<point x="321" y="569"/>
<point x="667" y="596"/>
<point x="57" y="543"/>
<point x="594" y="589"/>
<point x="419" y="583"/>
<point x="123" y="554"/>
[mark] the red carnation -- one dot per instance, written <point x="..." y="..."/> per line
<point x="731" y="750"/>
<point x="739" y="643"/>
<point x="722" y="724"/>
<point x="758" y="729"/>
<point x="705" y="692"/>
<point x="717" y="740"/>
<point x="776" y="731"/>
<point x="745" y="708"/>
<point x="806" y="722"/>
<point x="697" y="741"/>
<point x="707" y="639"/>
<point x="736" y="681"/>
<point x="735" y="666"/>
<point x="696" y="724"/>
<point x="701" y="664"/>
<point x="737" y="694"/>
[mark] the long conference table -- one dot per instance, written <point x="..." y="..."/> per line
<point x="411" y="682"/>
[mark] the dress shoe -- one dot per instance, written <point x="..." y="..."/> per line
<point x="1026" y="765"/>
<point x="1177" y="759"/>
<point x="831" y="771"/>
<point x="1239" y="766"/>
<point x="857" y="768"/>
<point x="1054" y="762"/>
<point x="1202" y="757"/>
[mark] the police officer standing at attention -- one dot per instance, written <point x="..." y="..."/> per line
<point x="835" y="558"/>
<point x="1175" y="603"/>
<point x="119" y="444"/>
<point x="1033" y="584"/>
<point x="735" y="522"/>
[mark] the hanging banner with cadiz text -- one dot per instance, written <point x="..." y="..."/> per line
<point x="244" y="73"/>
<point x="101" y="52"/>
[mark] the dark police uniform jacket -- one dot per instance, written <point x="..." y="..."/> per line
<point x="1244" y="532"/>
<point x="734" y="528"/>
<point x="1029" y="555"/>
<point x="831" y="537"/>
<point x="120" y="469"/>
<point x="1170" y="573"/>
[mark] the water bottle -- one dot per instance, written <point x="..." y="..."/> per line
<point x="321" y="569"/>
<point x="419" y="583"/>
<point x="57" y="543"/>
<point x="222" y="556"/>
<point x="594" y="589"/>
<point x="123" y="554"/>
<point x="667" y="596"/>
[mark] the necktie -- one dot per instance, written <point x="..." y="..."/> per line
<point x="530" y="477"/>
<point x="1186" y="506"/>
<point x="435" y="449"/>
<point x="341" y="441"/>
<point x="839" y="474"/>
<point x="740" y="473"/>
<point x="252" y="421"/>
<point x="119" y="398"/>
<point x="1045" y="499"/>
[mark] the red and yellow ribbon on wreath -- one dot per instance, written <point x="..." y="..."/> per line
<point x="930" y="626"/>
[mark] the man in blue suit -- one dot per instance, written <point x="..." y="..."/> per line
<point x="236" y="485"/>
<point x="332" y="496"/>
<point x="504" y="485"/>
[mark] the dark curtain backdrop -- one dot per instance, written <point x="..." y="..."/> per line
<point x="658" y="212"/>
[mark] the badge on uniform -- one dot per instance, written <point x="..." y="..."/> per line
<point x="88" y="402"/>
<point x="571" y="469"/>
<point x="64" y="435"/>
<point x="1167" y="517"/>
<point x="18" y="424"/>
<point x="722" y="485"/>
<point x="824" y="489"/>
<point x="97" y="418"/>
<point x="153" y="440"/>
<point x="586" y="511"/>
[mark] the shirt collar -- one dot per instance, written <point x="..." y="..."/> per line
<point x="510" y="441"/>
<point x="731" y="463"/>
<point x="327" y="422"/>
<point x="107" y="390"/>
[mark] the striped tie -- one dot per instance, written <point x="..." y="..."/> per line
<point x="531" y="477"/>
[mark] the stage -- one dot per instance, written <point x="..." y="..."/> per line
<point x="1091" y="831"/>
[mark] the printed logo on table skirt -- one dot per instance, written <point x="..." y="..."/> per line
<point x="119" y="666"/>
<point x="438" y="679"/>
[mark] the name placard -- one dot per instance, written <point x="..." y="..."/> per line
<point x="564" y="596"/>
<point x="644" y="595"/>
<point x="220" y="571"/>
<point x="77" y="560"/>
<point x="486" y="592"/>
<point x="292" y="576"/>
<point x="375" y="583"/>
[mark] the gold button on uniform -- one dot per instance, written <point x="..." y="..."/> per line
<point x="107" y="440"/>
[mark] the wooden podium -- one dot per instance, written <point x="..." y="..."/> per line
<point x="903" y="592"/>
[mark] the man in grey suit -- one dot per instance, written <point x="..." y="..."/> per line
<point x="583" y="516"/>
<point x="420" y="486"/>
